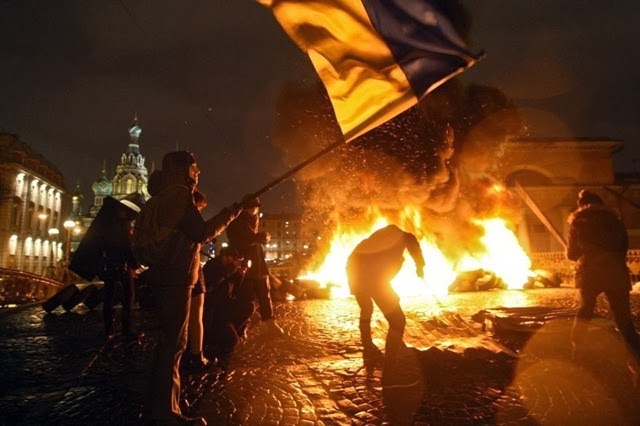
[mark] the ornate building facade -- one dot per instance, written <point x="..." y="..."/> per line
<point x="553" y="171"/>
<point x="130" y="179"/>
<point x="32" y="193"/>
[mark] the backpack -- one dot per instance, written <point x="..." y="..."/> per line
<point x="150" y="241"/>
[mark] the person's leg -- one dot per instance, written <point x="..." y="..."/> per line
<point x="196" y="358"/>
<point x="262" y="291"/>
<point x="195" y="324"/>
<point x="107" y="306"/>
<point x="583" y="316"/>
<point x="394" y="374"/>
<point x="621" y="310"/>
<point x="389" y="303"/>
<point x="172" y="309"/>
<point x="366" y="310"/>
<point x="241" y="312"/>
<point x="128" y="297"/>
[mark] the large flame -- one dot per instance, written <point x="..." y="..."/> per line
<point x="501" y="254"/>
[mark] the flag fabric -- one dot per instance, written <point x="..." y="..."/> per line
<point x="376" y="58"/>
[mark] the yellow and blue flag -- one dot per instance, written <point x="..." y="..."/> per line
<point x="376" y="58"/>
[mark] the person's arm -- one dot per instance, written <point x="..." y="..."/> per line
<point x="199" y="231"/>
<point x="413" y="246"/>
<point x="218" y="223"/>
<point x="574" y="251"/>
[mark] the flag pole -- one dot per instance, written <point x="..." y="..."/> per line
<point x="297" y="168"/>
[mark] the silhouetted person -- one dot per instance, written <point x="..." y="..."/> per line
<point x="174" y="276"/>
<point x="244" y="236"/>
<point x="117" y="265"/>
<point x="194" y="359"/>
<point x="370" y="268"/>
<point x="598" y="243"/>
<point x="226" y="315"/>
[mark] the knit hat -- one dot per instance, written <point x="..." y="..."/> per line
<point x="249" y="201"/>
<point x="177" y="163"/>
<point x="587" y="197"/>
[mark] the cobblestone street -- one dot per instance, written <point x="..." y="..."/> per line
<point x="58" y="370"/>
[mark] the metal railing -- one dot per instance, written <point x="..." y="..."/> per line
<point x="20" y="287"/>
<point x="558" y="263"/>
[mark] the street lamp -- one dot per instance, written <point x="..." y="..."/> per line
<point x="68" y="225"/>
<point x="53" y="235"/>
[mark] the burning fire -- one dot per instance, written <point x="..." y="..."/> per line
<point x="502" y="255"/>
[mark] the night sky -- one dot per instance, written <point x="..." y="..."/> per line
<point x="205" y="76"/>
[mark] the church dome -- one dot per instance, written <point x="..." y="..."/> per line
<point x="102" y="186"/>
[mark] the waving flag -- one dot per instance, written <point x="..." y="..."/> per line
<point x="376" y="58"/>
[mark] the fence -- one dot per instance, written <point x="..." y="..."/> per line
<point x="557" y="263"/>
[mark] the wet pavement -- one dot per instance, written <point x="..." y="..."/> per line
<point x="57" y="368"/>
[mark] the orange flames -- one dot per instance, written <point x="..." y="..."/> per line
<point x="501" y="254"/>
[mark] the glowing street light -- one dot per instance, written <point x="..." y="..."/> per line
<point x="69" y="225"/>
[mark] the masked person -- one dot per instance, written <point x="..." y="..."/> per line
<point x="370" y="268"/>
<point x="174" y="276"/>
<point x="226" y="314"/>
<point x="598" y="243"/>
<point x="244" y="237"/>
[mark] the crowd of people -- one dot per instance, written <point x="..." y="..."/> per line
<point x="203" y="308"/>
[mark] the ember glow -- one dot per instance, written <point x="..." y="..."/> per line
<point x="502" y="255"/>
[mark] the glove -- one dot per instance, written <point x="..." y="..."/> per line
<point x="420" y="271"/>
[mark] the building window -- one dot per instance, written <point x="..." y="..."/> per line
<point x="30" y="214"/>
<point x="19" y="184"/>
<point x="13" y="245"/>
<point x="43" y="194"/>
<point x="34" y="191"/>
<point x="50" y="199"/>
<point x="15" y="214"/>
<point x="28" y="246"/>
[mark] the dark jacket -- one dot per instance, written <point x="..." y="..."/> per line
<point x="377" y="259"/>
<point x="221" y="278"/>
<point x="598" y="242"/>
<point x="106" y="246"/>
<point x="244" y="237"/>
<point x="596" y="229"/>
<point x="178" y="211"/>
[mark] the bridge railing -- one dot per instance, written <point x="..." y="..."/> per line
<point x="20" y="287"/>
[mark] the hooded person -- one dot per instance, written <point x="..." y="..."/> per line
<point x="173" y="278"/>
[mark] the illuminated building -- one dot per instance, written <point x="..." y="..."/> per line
<point x="32" y="191"/>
